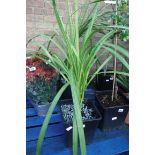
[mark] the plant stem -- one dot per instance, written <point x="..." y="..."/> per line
<point x="114" y="92"/>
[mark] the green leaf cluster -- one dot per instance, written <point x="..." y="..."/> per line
<point x="40" y="90"/>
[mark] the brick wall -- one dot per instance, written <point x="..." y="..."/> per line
<point x="39" y="16"/>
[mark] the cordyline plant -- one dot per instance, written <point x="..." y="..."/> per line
<point x="79" y="56"/>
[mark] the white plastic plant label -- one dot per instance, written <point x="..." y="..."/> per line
<point x="32" y="69"/>
<point x="120" y="110"/>
<point x="110" y="2"/>
<point x="111" y="78"/>
<point x="69" y="128"/>
<point x="114" y="118"/>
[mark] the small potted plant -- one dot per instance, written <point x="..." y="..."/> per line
<point x="113" y="105"/>
<point x="113" y="102"/>
<point x="90" y="117"/>
<point x="113" y="111"/>
<point x="40" y="84"/>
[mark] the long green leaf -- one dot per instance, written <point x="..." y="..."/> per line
<point x="47" y="119"/>
<point x="118" y="56"/>
<point x="119" y="49"/>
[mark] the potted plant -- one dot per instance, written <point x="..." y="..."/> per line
<point x="90" y="118"/>
<point x="113" y="112"/>
<point x="41" y="82"/>
<point x="112" y="104"/>
<point x="74" y="64"/>
<point x="107" y="20"/>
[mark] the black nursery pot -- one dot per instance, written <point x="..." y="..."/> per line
<point x="103" y="82"/>
<point x="112" y="116"/>
<point x="89" y="125"/>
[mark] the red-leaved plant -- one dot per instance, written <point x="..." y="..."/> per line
<point x="41" y="69"/>
<point x="41" y="81"/>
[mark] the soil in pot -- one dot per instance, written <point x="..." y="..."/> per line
<point x="106" y="100"/>
<point x="90" y="116"/>
<point x="113" y="112"/>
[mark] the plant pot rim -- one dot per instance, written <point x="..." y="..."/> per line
<point x="115" y="106"/>
<point x="41" y="105"/>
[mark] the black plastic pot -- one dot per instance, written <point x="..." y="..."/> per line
<point x="103" y="82"/>
<point x="112" y="117"/>
<point x="89" y="125"/>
